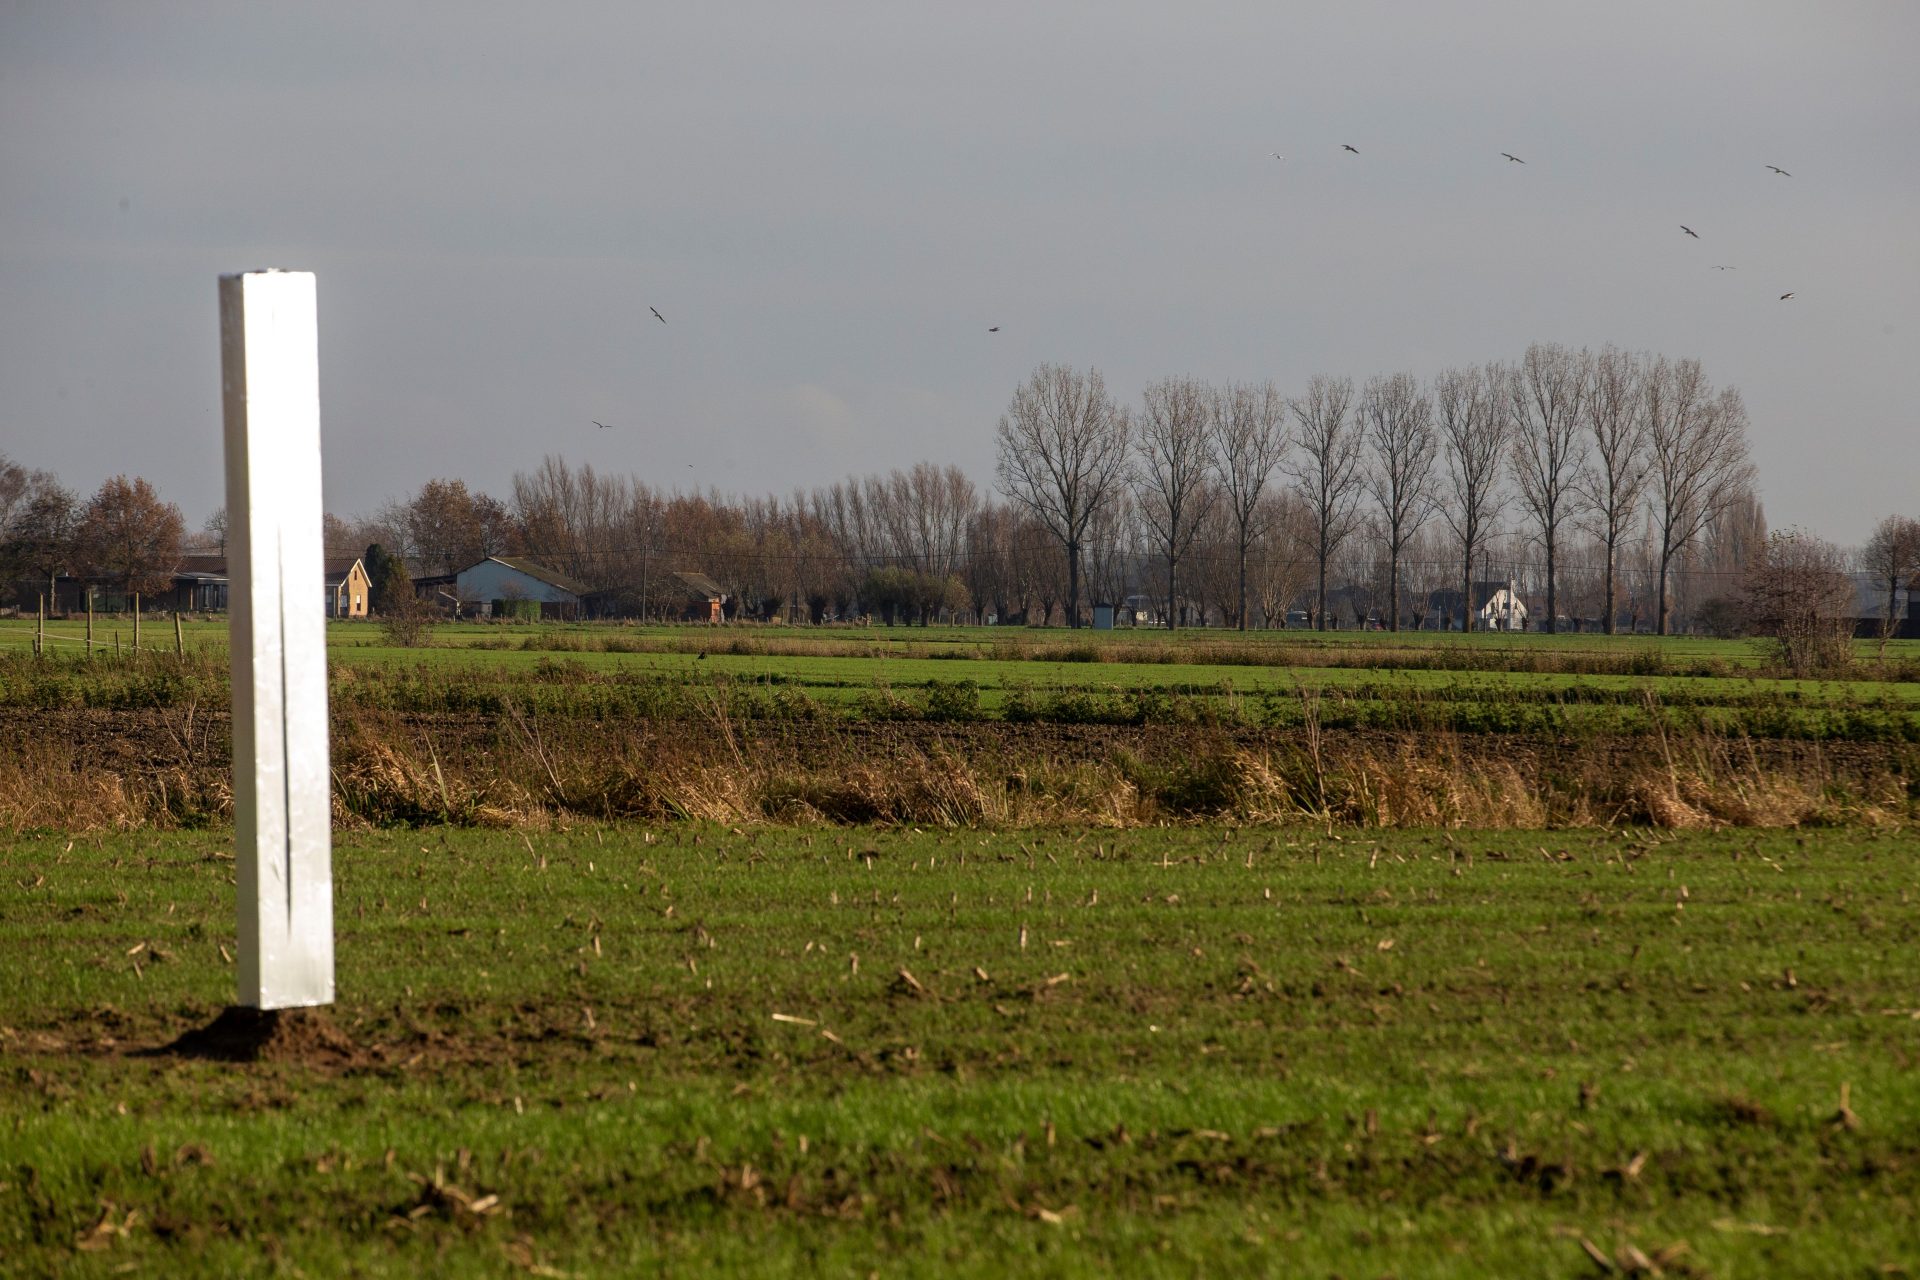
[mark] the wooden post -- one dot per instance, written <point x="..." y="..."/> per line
<point x="179" y="638"/>
<point x="136" y="621"/>
<point x="282" y="833"/>
<point x="89" y="621"/>
<point x="40" y="627"/>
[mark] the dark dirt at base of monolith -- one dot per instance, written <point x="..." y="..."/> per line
<point x="268" y="1035"/>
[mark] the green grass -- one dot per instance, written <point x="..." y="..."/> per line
<point x="1192" y="1052"/>
<point x="821" y="675"/>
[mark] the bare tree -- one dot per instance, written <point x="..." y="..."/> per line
<point x="1798" y="595"/>
<point x="1112" y="552"/>
<point x="1548" y="392"/>
<point x="1614" y="479"/>
<point x="1892" y="558"/>
<point x="1176" y="454"/>
<point x="1398" y="419"/>
<point x="1249" y="427"/>
<point x="1697" y="442"/>
<point x="1327" y="473"/>
<point x="1471" y="411"/>
<point x="1278" y="565"/>
<point x="1062" y="456"/>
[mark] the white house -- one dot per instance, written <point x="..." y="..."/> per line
<point x="1500" y="607"/>
<point x="1503" y="609"/>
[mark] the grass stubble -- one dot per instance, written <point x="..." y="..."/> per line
<point x="711" y="1050"/>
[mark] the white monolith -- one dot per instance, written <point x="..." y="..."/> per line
<point x="283" y="841"/>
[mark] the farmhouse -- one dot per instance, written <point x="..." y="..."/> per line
<point x="199" y="585"/>
<point x="694" y="597"/>
<point x="348" y="588"/>
<point x="502" y="586"/>
<point x="1497" y="607"/>
<point x="1870" y="617"/>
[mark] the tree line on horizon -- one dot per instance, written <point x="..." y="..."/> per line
<point x="1608" y="485"/>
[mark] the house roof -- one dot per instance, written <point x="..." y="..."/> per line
<point x="538" y="572"/>
<point x="700" y="585"/>
<point x="337" y="570"/>
<point x="204" y="568"/>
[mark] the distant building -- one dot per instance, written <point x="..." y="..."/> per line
<point x="199" y="585"/>
<point x="1497" y="607"/>
<point x="1870" y="608"/>
<point x="504" y="587"/>
<point x="694" y="597"/>
<point x="348" y="588"/>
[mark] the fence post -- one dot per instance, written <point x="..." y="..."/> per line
<point x="89" y="621"/>
<point x="40" y="627"/>
<point x="179" y="639"/>
<point x="136" y="621"/>
<point x="270" y="378"/>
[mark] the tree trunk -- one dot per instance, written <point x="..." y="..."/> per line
<point x="1320" y="592"/>
<point x="1393" y="591"/>
<point x="1609" y="606"/>
<point x="1169" y="593"/>
<point x="1243" y="588"/>
<point x="1661" y="603"/>
<point x="1892" y="623"/>
<point x="1553" y="603"/>
<point x="1073" y="584"/>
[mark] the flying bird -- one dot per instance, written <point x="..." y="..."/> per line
<point x="1346" y="146"/>
<point x="1516" y="159"/>
<point x="1690" y="231"/>
<point x="1785" y="296"/>
<point x="657" y="316"/>
<point x="1777" y="169"/>
<point x="1726" y="268"/>
<point x="1276" y="155"/>
<point x="995" y="329"/>
<point x="604" y="426"/>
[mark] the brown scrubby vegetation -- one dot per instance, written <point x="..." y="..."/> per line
<point x="82" y="769"/>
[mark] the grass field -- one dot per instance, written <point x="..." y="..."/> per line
<point x="1010" y="952"/>
<point x="847" y="1052"/>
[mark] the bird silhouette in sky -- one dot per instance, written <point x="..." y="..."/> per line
<point x="1777" y="169"/>
<point x="657" y="316"/>
<point x="995" y="329"/>
<point x="1347" y="146"/>
<point x="1785" y="296"/>
<point x="1726" y="268"/>
<point x="604" y="426"/>
<point x="1690" y="231"/>
<point x="1516" y="159"/>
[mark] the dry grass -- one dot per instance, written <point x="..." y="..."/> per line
<point x="396" y="770"/>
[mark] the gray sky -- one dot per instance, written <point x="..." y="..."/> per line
<point x="831" y="202"/>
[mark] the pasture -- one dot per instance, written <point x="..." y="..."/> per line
<point x="976" y="952"/>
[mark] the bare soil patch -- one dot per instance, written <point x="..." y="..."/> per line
<point x="306" y="1036"/>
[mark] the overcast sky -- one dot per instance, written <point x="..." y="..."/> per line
<point x="832" y="202"/>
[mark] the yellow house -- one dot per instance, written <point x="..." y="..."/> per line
<point x="348" y="589"/>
